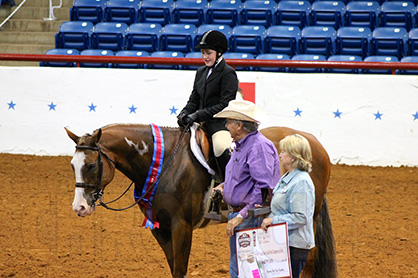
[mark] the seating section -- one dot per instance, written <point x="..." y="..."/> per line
<point x="305" y="29"/>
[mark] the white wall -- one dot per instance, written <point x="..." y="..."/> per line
<point x="356" y="138"/>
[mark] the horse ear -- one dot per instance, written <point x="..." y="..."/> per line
<point x="73" y="137"/>
<point x="96" y="136"/>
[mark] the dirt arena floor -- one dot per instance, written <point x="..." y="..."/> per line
<point x="374" y="211"/>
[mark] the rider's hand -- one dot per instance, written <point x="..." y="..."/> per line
<point x="180" y="119"/>
<point x="190" y="119"/>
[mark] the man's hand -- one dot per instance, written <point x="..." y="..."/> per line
<point x="233" y="223"/>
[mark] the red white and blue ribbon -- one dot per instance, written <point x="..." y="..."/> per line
<point x="153" y="173"/>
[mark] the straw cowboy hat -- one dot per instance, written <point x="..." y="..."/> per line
<point x="242" y="110"/>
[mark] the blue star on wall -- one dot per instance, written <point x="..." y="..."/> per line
<point x="92" y="107"/>
<point x="173" y="110"/>
<point x="132" y="109"/>
<point x="415" y="116"/>
<point x="378" y="115"/>
<point x="337" y="114"/>
<point x="12" y="105"/>
<point x="52" y="106"/>
<point x="298" y="112"/>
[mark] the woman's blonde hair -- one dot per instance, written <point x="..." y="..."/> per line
<point x="298" y="147"/>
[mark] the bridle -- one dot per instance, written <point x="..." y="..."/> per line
<point x="98" y="193"/>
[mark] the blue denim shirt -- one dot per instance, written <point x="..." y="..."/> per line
<point x="293" y="202"/>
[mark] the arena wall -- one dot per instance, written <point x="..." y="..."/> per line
<point x="360" y="119"/>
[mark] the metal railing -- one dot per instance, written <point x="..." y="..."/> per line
<point x="12" y="13"/>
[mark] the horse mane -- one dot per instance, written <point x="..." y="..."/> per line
<point x="132" y="124"/>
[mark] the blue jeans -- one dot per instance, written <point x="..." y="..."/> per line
<point x="250" y="222"/>
<point x="298" y="259"/>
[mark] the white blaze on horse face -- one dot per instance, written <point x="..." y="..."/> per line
<point x="136" y="146"/>
<point x="80" y="205"/>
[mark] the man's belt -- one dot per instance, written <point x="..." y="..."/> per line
<point x="232" y="209"/>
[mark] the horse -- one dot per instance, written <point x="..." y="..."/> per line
<point x="178" y="203"/>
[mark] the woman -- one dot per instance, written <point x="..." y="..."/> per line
<point x="215" y="85"/>
<point x="293" y="199"/>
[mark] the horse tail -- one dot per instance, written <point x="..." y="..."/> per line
<point x="325" y="259"/>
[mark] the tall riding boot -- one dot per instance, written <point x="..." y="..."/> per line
<point x="222" y="160"/>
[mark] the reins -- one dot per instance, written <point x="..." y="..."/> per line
<point x="99" y="193"/>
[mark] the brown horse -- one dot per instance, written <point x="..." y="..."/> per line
<point x="178" y="204"/>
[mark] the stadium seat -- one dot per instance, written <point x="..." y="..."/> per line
<point x="74" y="34"/>
<point x="389" y="41"/>
<point x="294" y="13"/>
<point x="386" y="59"/>
<point x="178" y="37"/>
<point x="166" y="54"/>
<point x="195" y="55"/>
<point x="225" y="29"/>
<point x="307" y="57"/>
<point x="109" y="35"/>
<point x="327" y="13"/>
<point x="248" y="39"/>
<point x="343" y="58"/>
<point x="190" y="12"/>
<point x="409" y="59"/>
<point x="413" y="42"/>
<point x="96" y="52"/>
<point x="125" y="11"/>
<point x="156" y="11"/>
<point x="88" y="10"/>
<point x="270" y="56"/>
<point x="258" y="12"/>
<point x="130" y="53"/>
<point x="397" y="14"/>
<point x="362" y="14"/>
<point x="236" y="55"/>
<point x="143" y="36"/>
<point x="224" y="12"/>
<point x="318" y="40"/>
<point x="353" y="41"/>
<point x="282" y="39"/>
<point x="60" y="51"/>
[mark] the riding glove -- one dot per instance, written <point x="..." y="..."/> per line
<point x="190" y="119"/>
<point x="180" y="119"/>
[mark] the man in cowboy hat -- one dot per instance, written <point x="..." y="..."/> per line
<point x="252" y="169"/>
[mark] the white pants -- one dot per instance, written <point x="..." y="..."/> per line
<point x="221" y="140"/>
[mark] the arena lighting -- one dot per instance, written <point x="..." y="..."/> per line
<point x="196" y="61"/>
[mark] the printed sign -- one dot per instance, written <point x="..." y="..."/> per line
<point x="263" y="254"/>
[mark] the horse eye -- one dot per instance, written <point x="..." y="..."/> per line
<point x="91" y="166"/>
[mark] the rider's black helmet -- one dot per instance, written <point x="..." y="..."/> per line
<point x="215" y="40"/>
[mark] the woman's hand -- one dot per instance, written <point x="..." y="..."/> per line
<point x="266" y="223"/>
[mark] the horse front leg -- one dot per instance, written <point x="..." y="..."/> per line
<point x="182" y="233"/>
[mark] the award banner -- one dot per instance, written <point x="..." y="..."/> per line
<point x="263" y="254"/>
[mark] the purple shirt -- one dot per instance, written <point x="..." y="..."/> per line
<point x="254" y="165"/>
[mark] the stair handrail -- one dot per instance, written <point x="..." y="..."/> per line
<point x="15" y="11"/>
<point x="51" y="10"/>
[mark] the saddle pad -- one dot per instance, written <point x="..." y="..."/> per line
<point x="196" y="150"/>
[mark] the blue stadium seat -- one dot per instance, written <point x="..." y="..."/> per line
<point x="130" y="53"/>
<point x="109" y="35"/>
<point x="88" y="10"/>
<point x="156" y="11"/>
<point x="258" y="12"/>
<point x="248" y="39"/>
<point x="353" y="41"/>
<point x="413" y="42"/>
<point x="166" y="54"/>
<point x="60" y="51"/>
<point x="318" y="40"/>
<point x="343" y="58"/>
<point x="385" y="59"/>
<point x="397" y="14"/>
<point x="74" y="34"/>
<point x="282" y="39"/>
<point x="125" y="11"/>
<point x="178" y="37"/>
<point x="389" y="41"/>
<point x="195" y="55"/>
<point x="362" y="14"/>
<point x="307" y="57"/>
<point x="237" y="55"/>
<point x="225" y="29"/>
<point x="270" y="56"/>
<point x="409" y="59"/>
<point x="327" y="13"/>
<point x="190" y="12"/>
<point x="224" y="12"/>
<point x="144" y="36"/>
<point x="294" y="13"/>
<point x="96" y="52"/>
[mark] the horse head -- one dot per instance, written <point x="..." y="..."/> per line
<point x="93" y="170"/>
